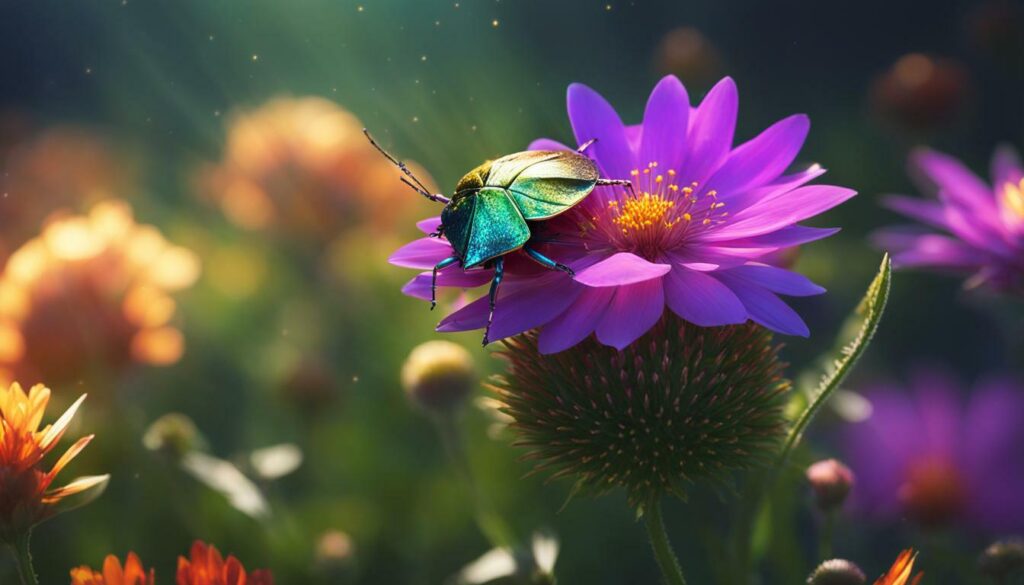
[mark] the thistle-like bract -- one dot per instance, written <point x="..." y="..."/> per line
<point x="682" y="404"/>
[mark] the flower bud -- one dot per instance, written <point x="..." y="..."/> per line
<point x="438" y="376"/>
<point x="831" y="482"/>
<point x="681" y="404"/>
<point x="1002" y="559"/>
<point x="173" y="434"/>
<point x="310" y="386"/>
<point x="334" y="555"/>
<point x="921" y="93"/>
<point x="837" y="572"/>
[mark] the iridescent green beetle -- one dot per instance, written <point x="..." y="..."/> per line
<point x="489" y="216"/>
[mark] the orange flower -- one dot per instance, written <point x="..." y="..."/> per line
<point x="91" y="294"/>
<point x="60" y="168"/>
<point x="301" y="167"/>
<point x="207" y="567"/>
<point x="25" y="495"/>
<point x="899" y="573"/>
<point x="113" y="573"/>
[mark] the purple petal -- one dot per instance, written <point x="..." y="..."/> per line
<point x="429" y="225"/>
<point x="737" y="202"/>
<point x="421" y="254"/>
<point x="621" y="269"/>
<point x="915" y="249"/>
<point x="454" y="277"/>
<point x="665" y="123"/>
<point x="593" y="117"/>
<point x="793" y="235"/>
<point x="707" y="258"/>
<point x="768" y="216"/>
<point x="991" y="453"/>
<point x="1006" y="166"/>
<point x="777" y="280"/>
<point x="520" y="306"/>
<point x="955" y="181"/>
<point x="634" y="309"/>
<point x="763" y="158"/>
<point x="577" y="322"/>
<point x="928" y="212"/>
<point x="939" y="411"/>
<point x="634" y="134"/>
<point x="765" y="308"/>
<point x="711" y="132"/>
<point x="702" y="299"/>
<point x="547" y="144"/>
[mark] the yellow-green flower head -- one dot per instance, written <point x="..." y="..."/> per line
<point x="837" y="572"/>
<point x="438" y="376"/>
<point x="682" y="404"/>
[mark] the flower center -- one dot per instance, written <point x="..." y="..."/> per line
<point x="659" y="213"/>
<point x="1013" y="198"/>
<point x="934" y="492"/>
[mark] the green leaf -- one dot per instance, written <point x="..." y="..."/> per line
<point x="853" y="341"/>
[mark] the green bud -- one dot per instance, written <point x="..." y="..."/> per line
<point x="837" y="572"/>
<point x="1002" y="559"/>
<point x="439" y="376"/>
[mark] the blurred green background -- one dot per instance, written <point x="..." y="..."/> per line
<point x="296" y="335"/>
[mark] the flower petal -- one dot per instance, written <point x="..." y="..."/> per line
<point x="665" y="122"/>
<point x="768" y="216"/>
<point x="429" y="225"/>
<point x="1006" y="166"/>
<point x="765" y="308"/>
<point x="634" y="309"/>
<point x="702" y="299"/>
<point x="421" y="254"/>
<point x="711" y="132"/>
<point x="777" y="280"/>
<point x="577" y="322"/>
<point x="547" y="144"/>
<point x="454" y="277"/>
<point x="621" y="269"/>
<point x="593" y="117"/>
<point x="763" y="158"/>
<point x="793" y="235"/>
<point x="928" y="212"/>
<point x="955" y="181"/>
<point x="916" y="249"/>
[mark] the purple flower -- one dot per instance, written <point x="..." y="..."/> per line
<point x="935" y="457"/>
<point x="695" y="235"/>
<point x="985" y="225"/>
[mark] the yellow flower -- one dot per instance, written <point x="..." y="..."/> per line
<point x="114" y="573"/>
<point x="91" y="294"/>
<point x="26" y="497"/>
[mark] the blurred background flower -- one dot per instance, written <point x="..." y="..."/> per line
<point x="937" y="457"/>
<point x="114" y="573"/>
<point x="91" y="295"/>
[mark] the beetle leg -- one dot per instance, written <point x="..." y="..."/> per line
<point x="499" y="273"/>
<point x="583" y="147"/>
<point x="433" y="279"/>
<point x="622" y="182"/>
<point x="548" y="262"/>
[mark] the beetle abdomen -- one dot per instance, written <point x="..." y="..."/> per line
<point x="484" y="225"/>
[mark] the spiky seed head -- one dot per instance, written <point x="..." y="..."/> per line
<point x="438" y="376"/>
<point x="831" y="482"/>
<point x="682" y="404"/>
<point x="1002" y="559"/>
<point x="837" y="572"/>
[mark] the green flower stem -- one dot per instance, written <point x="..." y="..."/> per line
<point x="825" y="538"/>
<point x="23" y="559"/>
<point x="491" y="524"/>
<point x="667" y="560"/>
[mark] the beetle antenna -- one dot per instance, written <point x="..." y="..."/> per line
<point x="419" y="187"/>
<point x="621" y="182"/>
<point x="583" y="147"/>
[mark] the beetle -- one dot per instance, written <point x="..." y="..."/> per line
<point x="494" y="205"/>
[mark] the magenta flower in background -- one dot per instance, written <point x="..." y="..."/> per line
<point x="695" y="234"/>
<point x="934" y="455"/>
<point x="984" y="226"/>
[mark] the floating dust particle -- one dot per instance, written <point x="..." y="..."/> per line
<point x="495" y="23"/>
